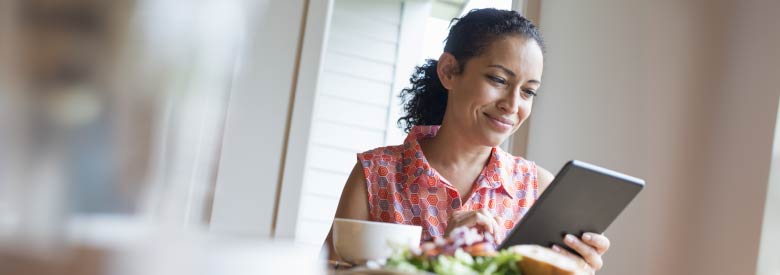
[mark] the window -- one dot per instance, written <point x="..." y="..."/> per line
<point x="372" y="48"/>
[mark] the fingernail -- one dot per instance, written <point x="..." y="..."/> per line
<point x="587" y="236"/>
<point x="556" y="248"/>
<point x="569" y="238"/>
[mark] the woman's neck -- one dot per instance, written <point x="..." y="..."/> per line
<point x="450" y="150"/>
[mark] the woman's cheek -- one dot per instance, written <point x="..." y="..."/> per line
<point x="524" y="113"/>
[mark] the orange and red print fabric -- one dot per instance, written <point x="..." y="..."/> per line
<point x="403" y="188"/>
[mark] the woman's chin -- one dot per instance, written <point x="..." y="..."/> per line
<point x="491" y="137"/>
<point x="495" y="140"/>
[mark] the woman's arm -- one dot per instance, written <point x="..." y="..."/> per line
<point x="352" y="205"/>
<point x="544" y="178"/>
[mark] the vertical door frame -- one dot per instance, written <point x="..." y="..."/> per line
<point x="315" y="37"/>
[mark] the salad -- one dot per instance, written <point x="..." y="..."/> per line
<point x="465" y="251"/>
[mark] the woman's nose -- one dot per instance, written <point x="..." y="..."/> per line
<point x="510" y="103"/>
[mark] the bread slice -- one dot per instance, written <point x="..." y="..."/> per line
<point x="541" y="260"/>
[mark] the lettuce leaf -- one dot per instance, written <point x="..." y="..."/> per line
<point x="504" y="263"/>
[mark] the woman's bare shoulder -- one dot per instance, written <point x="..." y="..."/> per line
<point x="544" y="178"/>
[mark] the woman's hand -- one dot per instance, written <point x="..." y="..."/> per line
<point x="480" y="218"/>
<point x="591" y="247"/>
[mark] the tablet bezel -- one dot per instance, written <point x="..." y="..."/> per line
<point x="633" y="184"/>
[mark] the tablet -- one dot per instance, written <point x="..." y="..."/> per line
<point x="582" y="198"/>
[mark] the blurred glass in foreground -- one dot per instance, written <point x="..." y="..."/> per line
<point x="111" y="114"/>
<point x="112" y="107"/>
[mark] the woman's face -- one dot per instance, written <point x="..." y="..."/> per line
<point x="493" y="94"/>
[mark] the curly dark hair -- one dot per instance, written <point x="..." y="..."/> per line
<point x="425" y="101"/>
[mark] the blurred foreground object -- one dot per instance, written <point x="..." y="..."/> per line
<point x="109" y="108"/>
<point x="120" y="246"/>
<point x="112" y="107"/>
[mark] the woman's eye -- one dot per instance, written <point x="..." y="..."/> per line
<point x="496" y="79"/>
<point x="529" y="92"/>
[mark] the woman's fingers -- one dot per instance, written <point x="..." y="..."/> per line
<point x="586" y="251"/>
<point x="481" y="218"/>
<point x="598" y="241"/>
<point x="581" y="262"/>
<point x="565" y="252"/>
<point x="460" y="218"/>
<point x="590" y="247"/>
<point x="487" y="220"/>
<point x="452" y="222"/>
<point x="486" y="223"/>
<point x="464" y="218"/>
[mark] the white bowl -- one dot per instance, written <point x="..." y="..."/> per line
<point x="358" y="241"/>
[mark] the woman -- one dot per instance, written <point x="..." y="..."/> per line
<point x="450" y="171"/>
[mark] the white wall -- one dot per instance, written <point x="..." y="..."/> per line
<point x="770" y="233"/>
<point x="742" y="128"/>
<point x="257" y="120"/>
<point x="680" y="94"/>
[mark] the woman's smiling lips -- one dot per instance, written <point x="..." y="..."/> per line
<point x="500" y="123"/>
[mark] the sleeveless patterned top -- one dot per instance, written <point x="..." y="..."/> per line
<point x="403" y="188"/>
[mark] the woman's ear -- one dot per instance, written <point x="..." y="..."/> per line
<point x="447" y="68"/>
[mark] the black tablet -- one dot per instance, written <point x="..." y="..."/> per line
<point x="582" y="198"/>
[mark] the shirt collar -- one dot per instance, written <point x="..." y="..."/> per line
<point x="496" y="174"/>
